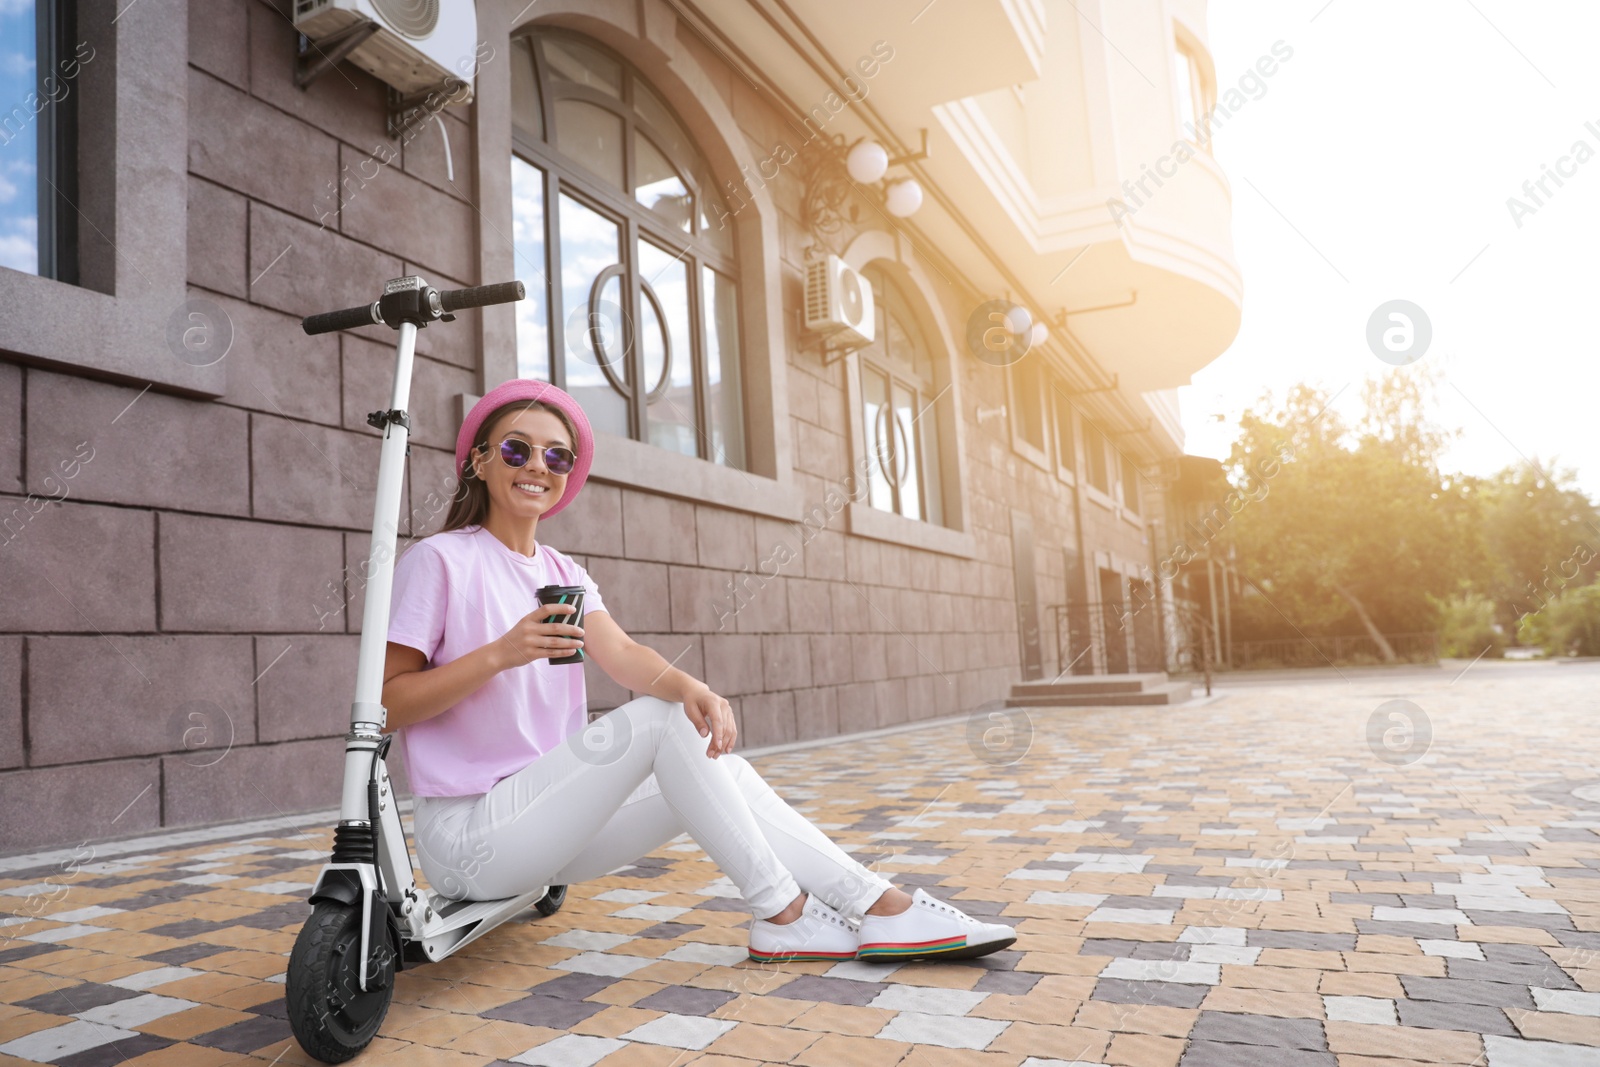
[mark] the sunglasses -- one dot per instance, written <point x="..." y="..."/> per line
<point x="517" y="452"/>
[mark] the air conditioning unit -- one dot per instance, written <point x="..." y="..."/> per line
<point x="418" y="44"/>
<point x="839" y="301"/>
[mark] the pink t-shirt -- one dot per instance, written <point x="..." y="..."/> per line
<point x="455" y="592"/>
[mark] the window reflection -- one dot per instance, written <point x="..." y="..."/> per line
<point x="880" y="445"/>
<point x="1094" y="447"/>
<point x="672" y="415"/>
<point x="1066" y="449"/>
<point x="589" y="245"/>
<point x="899" y="418"/>
<point x="905" y="419"/>
<point x="19" y="141"/>
<point x="592" y="137"/>
<point x="568" y="59"/>
<point x="527" y="112"/>
<point x="527" y="235"/>
<point x="724" y="400"/>
<point x="1027" y="394"/>
<point x="655" y="114"/>
<point x="658" y="187"/>
<point x="641" y="248"/>
<point x="1188" y="116"/>
<point x="716" y="221"/>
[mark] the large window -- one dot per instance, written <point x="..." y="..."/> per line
<point x="1028" y="398"/>
<point x="626" y="250"/>
<point x="1188" y="93"/>
<point x="899" y="426"/>
<point x="38" y="69"/>
<point x="1097" y="457"/>
<point x="1066" y="444"/>
<point x="1194" y="98"/>
<point x="1130" y="483"/>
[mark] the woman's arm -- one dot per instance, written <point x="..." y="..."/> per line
<point x="642" y="669"/>
<point x="412" y="694"/>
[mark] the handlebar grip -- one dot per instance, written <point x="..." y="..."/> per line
<point x="481" y="296"/>
<point x="348" y="319"/>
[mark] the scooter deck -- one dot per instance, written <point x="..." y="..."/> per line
<point x="458" y="923"/>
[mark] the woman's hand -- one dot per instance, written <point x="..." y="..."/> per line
<point x="533" y="638"/>
<point x="714" y="715"/>
<point x="642" y="669"/>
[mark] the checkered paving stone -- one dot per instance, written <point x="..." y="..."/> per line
<point x="1243" y="881"/>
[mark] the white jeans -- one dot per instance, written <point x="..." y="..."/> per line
<point x="629" y="782"/>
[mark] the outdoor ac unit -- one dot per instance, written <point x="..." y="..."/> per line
<point x="839" y="300"/>
<point x="419" y="44"/>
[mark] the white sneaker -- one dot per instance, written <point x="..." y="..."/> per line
<point x="929" y="929"/>
<point x="819" y="934"/>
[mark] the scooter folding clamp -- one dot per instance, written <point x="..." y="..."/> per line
<point x="381" y="419"/>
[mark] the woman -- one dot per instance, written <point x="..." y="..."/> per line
<point x="514" y="789"/>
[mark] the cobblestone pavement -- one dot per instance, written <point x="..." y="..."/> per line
<point x="1295" y="873"/>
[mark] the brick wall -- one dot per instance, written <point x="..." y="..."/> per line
<point x="178" y="631"/>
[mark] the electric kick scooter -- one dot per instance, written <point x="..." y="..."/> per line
<point x="369" y="918"/>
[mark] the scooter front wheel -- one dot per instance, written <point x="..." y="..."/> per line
<point x="332" y="1017"/>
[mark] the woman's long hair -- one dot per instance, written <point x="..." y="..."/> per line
<point x="470" y="505"/>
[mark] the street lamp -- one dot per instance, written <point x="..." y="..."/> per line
<point x="867" y="161"/>
<point x="903" y="197"/>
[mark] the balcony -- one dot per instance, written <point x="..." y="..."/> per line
<point x="942" y="50"/>
<point x="1043" y="117"/>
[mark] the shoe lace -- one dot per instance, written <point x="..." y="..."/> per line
<point x="956" y="913"/>
<point x="823" y="913"/>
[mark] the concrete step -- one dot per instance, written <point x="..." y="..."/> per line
<point x="1074" y="685"/>
<point x="1165" y="693"/>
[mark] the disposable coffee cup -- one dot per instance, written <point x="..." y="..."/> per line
<point x="565" y="594"/>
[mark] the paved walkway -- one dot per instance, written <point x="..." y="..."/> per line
<point x="1374" y="871"/>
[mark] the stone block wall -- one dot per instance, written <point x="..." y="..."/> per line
<point x="179" y="623"/>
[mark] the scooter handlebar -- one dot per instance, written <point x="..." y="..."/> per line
<point x="481" y="296"/>
<point x="348" y="319"/>
<point x="450" y="300"/>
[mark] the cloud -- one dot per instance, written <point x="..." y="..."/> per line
<point x="16" y="168"/>
<point x="19" y="252"/>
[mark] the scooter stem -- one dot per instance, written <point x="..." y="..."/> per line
<point x="367" y="714"/>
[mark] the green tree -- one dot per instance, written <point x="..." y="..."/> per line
<point x="1359" y="526"/>
<point x="1542" y="537"/>
<point x="1467" y="626"/>
<point x="1570" y="626"/>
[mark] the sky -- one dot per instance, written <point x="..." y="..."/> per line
<point x="1377" y="166"/>
<point x="18" y="139"/>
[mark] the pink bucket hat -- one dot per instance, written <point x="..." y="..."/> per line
<point x="532" y="389"/>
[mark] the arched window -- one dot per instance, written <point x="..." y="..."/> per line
<point x="626" y="250"/>
<point x="898" y="425"/>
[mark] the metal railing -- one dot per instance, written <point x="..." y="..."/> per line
<point x="1112" y="637"/>
<point x="1176" y="635"/>
<point x="1341" y="650"/>
<point x="1195" y="643"/>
